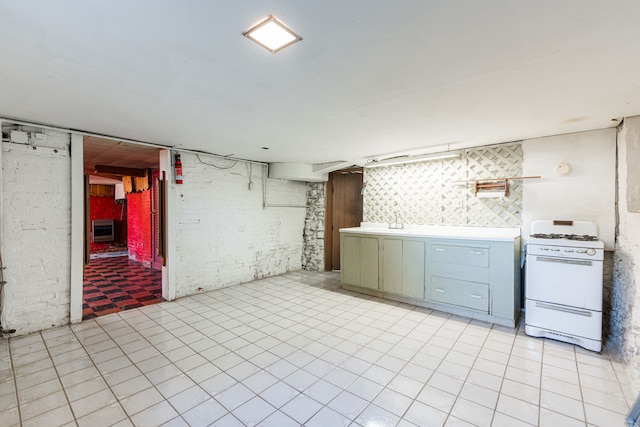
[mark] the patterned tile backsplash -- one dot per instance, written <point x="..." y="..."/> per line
<point x="424" y="193"/>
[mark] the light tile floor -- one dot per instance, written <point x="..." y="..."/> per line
<point x="298" y="350"/>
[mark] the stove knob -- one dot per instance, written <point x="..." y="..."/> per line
<point x="591" y="252"/>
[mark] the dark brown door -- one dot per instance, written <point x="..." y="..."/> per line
<point x="344" y="209"/>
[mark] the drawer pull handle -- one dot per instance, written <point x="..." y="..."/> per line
<point x="476" y="296"/>
<point x="569" y="310"/>
<point x="440" y="290"/>
<point x="476" y="252"/>
<point x="440" y="249"/>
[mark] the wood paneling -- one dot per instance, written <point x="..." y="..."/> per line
<point x="102" y="190"/>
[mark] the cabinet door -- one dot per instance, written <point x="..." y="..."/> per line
<point x="369" y="262"/>
<point x="392" y="276"/>
<point x="413" y="254"/>
<point x="350" y="260"/>
<point x="505" y="281"/>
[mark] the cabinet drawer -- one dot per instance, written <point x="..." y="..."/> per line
<point x="458" y="292"/>
<point x="468" y="273"/>
<point x="463" y="255"/>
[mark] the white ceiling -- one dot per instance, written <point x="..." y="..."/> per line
<point x="370" y="77"/>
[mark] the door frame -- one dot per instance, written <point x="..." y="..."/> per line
<point x="328" y="225"/>
<point x="78" y="228"/>
<point x="328" y="215"/>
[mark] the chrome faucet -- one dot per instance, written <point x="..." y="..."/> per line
<point x="396" y="225"/>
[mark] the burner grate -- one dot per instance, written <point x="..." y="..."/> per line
<point x="578" y="237"/>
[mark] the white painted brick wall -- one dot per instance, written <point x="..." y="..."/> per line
<point x="223" y="234"/>
<point x="36" y="226"/>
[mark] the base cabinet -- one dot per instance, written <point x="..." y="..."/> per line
<point x="359" y="261"/>
<point x="474" y="278"/>
<point x="403" y="267"/>
<point x="460" y="274"/>
<point x="459" y="292"/>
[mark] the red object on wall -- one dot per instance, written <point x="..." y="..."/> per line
<point x="107" y="208"/>
<point x="178" y="168"/>
<point x="139" y="226"/>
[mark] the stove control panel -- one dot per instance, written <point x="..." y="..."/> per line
<point x="590" y="251"/>
<point x="565" y="252"/>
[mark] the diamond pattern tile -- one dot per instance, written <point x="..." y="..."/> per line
<point x="424" y="193"/>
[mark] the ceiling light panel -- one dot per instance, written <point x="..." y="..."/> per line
<point x="272" y="34"/>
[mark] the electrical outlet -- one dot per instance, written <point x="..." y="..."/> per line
<point x="19" y="137"/>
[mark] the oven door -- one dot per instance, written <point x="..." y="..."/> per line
<point x="566" y="281"/>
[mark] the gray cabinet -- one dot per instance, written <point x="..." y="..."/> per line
<point x="504" y="277"/>
<point x="392" y="266"/>
<point x="359" y="261"/>
<point x="403" y="267"/>
<point x="460" y="292"/>
<point x="413" y="268"/>
<point x="460" y="274"/>
<point x="478" y="278"/>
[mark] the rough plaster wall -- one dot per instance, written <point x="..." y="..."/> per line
<point x="223" y="234"/>
<point x="36" y="225"/>
<point x="313" y="256"/>
<point x="425" y="193"/>
<point x="625" y="313"/>
<point x="608" y="267"/>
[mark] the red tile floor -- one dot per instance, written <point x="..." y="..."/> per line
<point x="116" y="284"/>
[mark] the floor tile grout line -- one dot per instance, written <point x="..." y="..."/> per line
<point x="15" y="379"/>
<point x="413" y="400"/>
<point x="109" y="387"/>
<point x="64" y="390"/>
<point x="518" y="328"/>
<point x="297" y="368"/>
<point x="153" y="385"/>
<point x="181" y="370"/>
<point x="467" y="377"/>
<point x="584" y="409"/>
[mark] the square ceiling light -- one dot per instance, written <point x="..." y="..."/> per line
<point x="272" y="34"/>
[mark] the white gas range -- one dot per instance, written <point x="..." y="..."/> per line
<point x="563" y="282"/>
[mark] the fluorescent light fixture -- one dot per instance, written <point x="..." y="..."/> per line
<point x="272" y="34"/>
<point x="413" y="159"/>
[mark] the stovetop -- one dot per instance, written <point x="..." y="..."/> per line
<point x="579" y="237"/>
<point x="570" y="234"/>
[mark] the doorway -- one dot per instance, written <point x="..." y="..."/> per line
<point x="343" y="209"/>
<point x="122" y="269"/>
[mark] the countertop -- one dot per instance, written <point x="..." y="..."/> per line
<point x="440" y="231"/>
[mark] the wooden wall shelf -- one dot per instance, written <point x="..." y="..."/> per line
<point x="494" y="185"/>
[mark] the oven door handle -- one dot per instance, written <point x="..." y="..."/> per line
<point x="569" y="310"/>
<point x="586" y="263"/>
